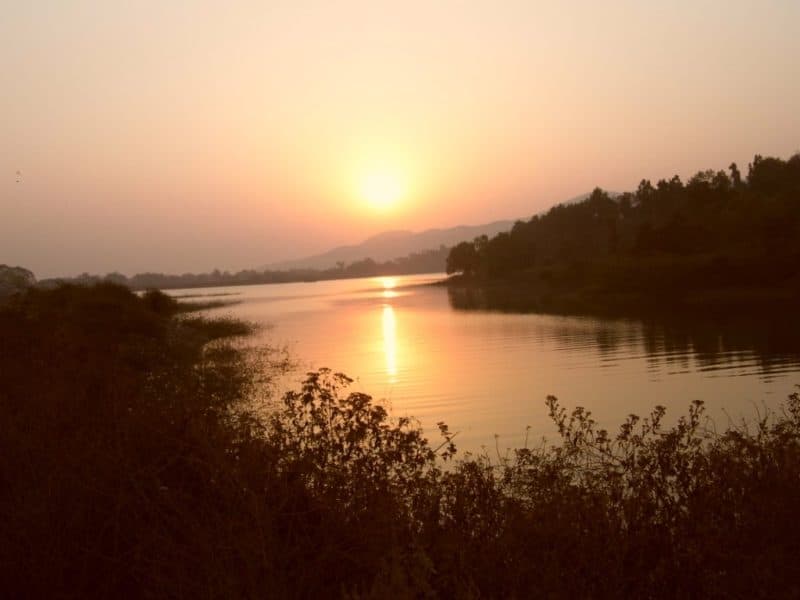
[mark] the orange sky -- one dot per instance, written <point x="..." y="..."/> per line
<point x="174" y="136"/>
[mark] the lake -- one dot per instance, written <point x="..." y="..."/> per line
<point x="487" y="373"/>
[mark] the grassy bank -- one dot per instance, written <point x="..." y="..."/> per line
<point x="132" y="463"/>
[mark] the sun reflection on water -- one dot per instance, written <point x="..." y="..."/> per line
<point x="389" y="284"/>
<point x="390" y="342"/>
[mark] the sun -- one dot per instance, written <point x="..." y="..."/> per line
<point x="382" y="189"/>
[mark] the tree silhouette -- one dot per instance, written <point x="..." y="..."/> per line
<point x="681" y="230"/>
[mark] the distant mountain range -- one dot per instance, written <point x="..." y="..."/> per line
<point x="395" y="244"/>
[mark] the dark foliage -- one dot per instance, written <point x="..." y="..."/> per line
<point x="14" y="279"/>
<point x="133" y="463"/>
<point x="114" y="449"/>
<point x="664" y="243"/>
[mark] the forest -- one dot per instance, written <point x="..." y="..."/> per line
<point x="719" y="234"/>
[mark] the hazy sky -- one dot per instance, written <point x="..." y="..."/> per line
<point x="178" y="136"/>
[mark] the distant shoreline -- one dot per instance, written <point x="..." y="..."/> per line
<point x="232" y="283"/>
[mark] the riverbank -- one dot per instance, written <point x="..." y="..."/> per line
<point x="635" y="288"/>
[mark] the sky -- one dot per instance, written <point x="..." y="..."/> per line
<point x="186" y="136"/>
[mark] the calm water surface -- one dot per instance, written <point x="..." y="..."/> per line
<point x="487" y="373"/>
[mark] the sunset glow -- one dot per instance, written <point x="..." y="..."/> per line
<point x="389" y="284"/>
<point x="360" y="297"/>
<point x="389" y="341"/>
<point x="382" y="189"/>
<point x="245" y="134"/>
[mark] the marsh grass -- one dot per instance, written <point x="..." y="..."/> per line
<point x="136" y="460"/>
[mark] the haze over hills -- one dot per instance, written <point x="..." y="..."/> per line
<point x="393" y="244"/>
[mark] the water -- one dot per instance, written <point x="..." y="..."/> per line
<point x="487" y="374"/>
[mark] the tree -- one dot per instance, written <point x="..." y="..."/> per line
<point x="463" y="258"/>
<point x="15" y="279"/>
<point x="736" y="176"/>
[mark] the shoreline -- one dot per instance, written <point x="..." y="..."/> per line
<point x="526" y="296"/>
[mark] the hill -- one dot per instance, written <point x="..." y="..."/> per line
<point x="392" y="244"/>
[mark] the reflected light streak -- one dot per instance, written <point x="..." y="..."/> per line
<point x="390" y="342"/>
<point x="389" y="284"/>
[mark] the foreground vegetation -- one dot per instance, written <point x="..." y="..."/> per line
<point x="137" y="457"/>
<point x="719" y="239"/>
